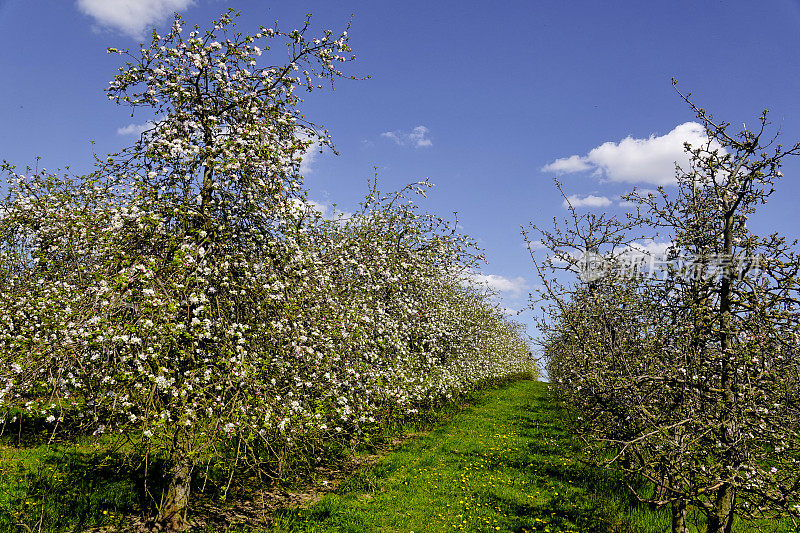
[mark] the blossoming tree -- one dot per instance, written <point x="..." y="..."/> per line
<point x="185" y="296"/>
<point x="687" y="378"/>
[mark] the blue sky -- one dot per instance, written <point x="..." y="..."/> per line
<point x="490" y="100"/>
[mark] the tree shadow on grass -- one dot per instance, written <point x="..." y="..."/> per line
<point x="557" y="515"/>
<point x="574" y="496"/>
<point x="68" y="488"/>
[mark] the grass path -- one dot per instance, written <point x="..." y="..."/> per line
<point x="505" y="464"/>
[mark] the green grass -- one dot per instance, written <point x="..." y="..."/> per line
<point x="66" y="487"/>
<point x="505" y="464"/>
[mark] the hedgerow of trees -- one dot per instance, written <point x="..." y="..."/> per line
<point x="186" y="296"/>
<point x="685" y="376"/>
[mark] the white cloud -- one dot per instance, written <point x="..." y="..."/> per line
<point x="321" y="208"/>
<point x="418" y="137"/>
<point x="393" y="136"/>
<point x="310" y="157"/>
<point x="587" y="201"/>
<point x="567" y="165"/>
<point x="135" y="129"/>
<point x="630" y="160"/>
<point x="514" y="287"/>
<point x="646" y="256"/>
<point x="647" y="247"/>
<point x="131" y="17"/>
<point x="309" y="205"/>
<point x="312" y="152"/>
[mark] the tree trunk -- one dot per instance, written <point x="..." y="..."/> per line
<point x="720" y="519"/>
<point x="172" y="514"/>
<point x="679" y="517"/>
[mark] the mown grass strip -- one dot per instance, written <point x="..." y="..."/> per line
<point x="505" y="464"/>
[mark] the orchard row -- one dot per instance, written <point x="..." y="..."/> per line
<point x="188" y="296"/>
